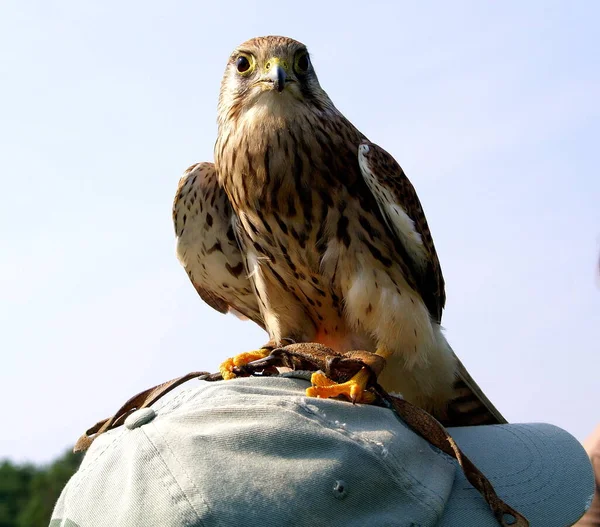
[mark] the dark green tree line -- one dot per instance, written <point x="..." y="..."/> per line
<point x="28" y="493"/>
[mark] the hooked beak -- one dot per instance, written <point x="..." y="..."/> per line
<point x="276" y="74"/>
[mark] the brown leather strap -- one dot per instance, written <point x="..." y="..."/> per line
<point x="433" y="432"/>
<point x="141" y="400"/>
<point x="338" y="367"/>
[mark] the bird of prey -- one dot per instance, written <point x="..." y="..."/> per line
<point x="315" y="233"/>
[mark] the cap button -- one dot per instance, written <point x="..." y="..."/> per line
<point x="139" y="418"/>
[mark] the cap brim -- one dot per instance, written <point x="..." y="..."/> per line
<point x="538" y="469"/>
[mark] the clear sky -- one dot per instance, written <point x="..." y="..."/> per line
<point x="492" y="109"/>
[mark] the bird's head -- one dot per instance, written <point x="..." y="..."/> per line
<point x="270" y="74"/>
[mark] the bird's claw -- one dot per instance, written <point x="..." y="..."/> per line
<point x="227" y="367"/>
<point x="355" y="389"/>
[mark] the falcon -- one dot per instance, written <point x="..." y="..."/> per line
<point x="315" y="233"/>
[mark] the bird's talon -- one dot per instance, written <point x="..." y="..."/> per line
<point x="226" y="368"/>
<point x="320" y="379"/>
<point x="354" y="389"/>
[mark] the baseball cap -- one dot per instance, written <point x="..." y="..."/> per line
<point x="257" y="451"/>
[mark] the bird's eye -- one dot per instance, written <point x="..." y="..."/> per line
<point x="302" y="63"/>
<point x="243" y="64"/>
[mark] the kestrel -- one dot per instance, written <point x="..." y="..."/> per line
<point x="309" y="229"/>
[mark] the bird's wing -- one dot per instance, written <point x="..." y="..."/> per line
<point x="206" y="244"/>
<point x="402" y="211"/>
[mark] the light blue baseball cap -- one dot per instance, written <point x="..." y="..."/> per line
<point x="258" y="452"/>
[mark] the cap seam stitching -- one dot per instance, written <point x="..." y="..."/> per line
<point x="187" y="499"/>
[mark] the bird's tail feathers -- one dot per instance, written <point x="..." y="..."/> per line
<point x="468" y="405"/>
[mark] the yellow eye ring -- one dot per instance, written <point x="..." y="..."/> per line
<point x="301" y="63"/>
<point x="245" y="64"/>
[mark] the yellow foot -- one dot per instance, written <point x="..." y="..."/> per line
<point x="354" y="389"/>
<point x="226" y="368"/>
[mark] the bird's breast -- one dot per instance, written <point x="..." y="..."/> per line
<point x="304" y="213"/>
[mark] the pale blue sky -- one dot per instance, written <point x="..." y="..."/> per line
<point x="492" y="109"/>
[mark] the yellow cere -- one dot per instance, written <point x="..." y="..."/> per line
<point x="274" y="61"/>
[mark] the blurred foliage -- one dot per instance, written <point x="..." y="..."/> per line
<point x="28" y="493"/>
